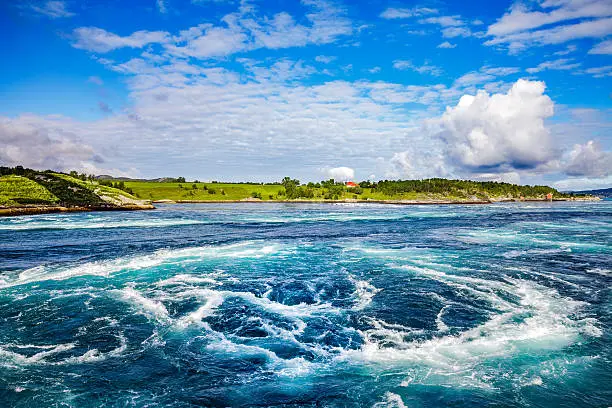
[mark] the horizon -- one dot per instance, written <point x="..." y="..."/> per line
<point x="221" y="90"/>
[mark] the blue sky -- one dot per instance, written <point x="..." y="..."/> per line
<point x="255" y="90"/>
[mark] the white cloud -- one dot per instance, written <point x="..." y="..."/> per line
<point x="517" y="41"/>
<point x="282" y="70"/>
<point x="568" y="50"/>
<point x="400" y="13"/>
<point x="340" y="173"/>
<point x="600" y="72"/>
<point x="452" y="32"/>
<point x="444" y="21"/>
<point x="41" y="143"/>
<point x="446" y="44"/>
<point x="161" y="6"/>
<point x="485" y="75"/>
<point x="52" y="9"/>
<point x="583" y="183"/>
<point x="374" y="70"/>
<point x="325" y="59"/>
<point x="404" y="65"/>
<point x="241" y="31"/>
<point x="561" y="64"/>
<point x="500" y="132"/>
<point x="99" y="40"/>
<point x="604" y="47"/>
<point x="521" y="18"/>
<point x="418" y="164"/>
<point x="589" y="160"/>
<point x="246" y="31"/>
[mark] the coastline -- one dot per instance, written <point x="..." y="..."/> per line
<point x="34" y="210"/>
<point x="394" y="202"/>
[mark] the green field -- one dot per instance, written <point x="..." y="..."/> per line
<point x="203" y="191"/>
<point x="267" y="192"/>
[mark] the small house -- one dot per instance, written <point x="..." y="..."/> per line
<point x="350" y="184"/>
<point x="549" y="196"/>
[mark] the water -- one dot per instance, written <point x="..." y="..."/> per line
<point x="308" y="305"/>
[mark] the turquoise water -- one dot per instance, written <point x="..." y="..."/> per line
<point x="503" y="305"/>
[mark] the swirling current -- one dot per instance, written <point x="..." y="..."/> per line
<point x="301" y="305"/>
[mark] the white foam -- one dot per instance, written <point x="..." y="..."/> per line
<point x="7" y="356"/>
<point x="364" y="293"/>
<point x="149" y="307"/>
<point x="94" y="355"/>
<point x="248" y="249"/>
<point x="184" y="279"/>
<point x="391" y="400"/>
<point x="600" y="271"/>
<point x="213" y="301"/>
<point x="98" y="223"/>
<point x="439" y="321"/>
<point x="542" y="320"/>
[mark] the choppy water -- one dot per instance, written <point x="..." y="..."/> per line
<point x="308" y="305"/>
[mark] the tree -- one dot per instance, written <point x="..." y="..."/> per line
<point x="180" y="179"/>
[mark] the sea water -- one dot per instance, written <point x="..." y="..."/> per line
<point x="505" y="305"/>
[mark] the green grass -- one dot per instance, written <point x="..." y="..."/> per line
<point x="16" y="190"/>
<point x="173" y="191"/>
<point x="148" y="190"/>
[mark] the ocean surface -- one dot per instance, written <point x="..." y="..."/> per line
<point x="348" y="305"/>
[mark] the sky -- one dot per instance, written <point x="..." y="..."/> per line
<point x="256" y="90"/>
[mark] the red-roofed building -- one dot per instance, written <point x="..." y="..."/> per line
<point x="350" y="184"/>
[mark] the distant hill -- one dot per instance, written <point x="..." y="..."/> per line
<point x="603" y="192"/>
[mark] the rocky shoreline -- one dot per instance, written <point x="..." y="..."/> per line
<point x="33" y="210"/>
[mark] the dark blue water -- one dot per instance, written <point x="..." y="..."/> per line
<point x="308" y="305"/>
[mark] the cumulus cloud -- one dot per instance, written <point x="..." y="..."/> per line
<point x="418" y="163"/>
<point x="500" y="132"/>
<point x="43" y="144"/>
<point x="589" y="160"/>
<point x="340" y="173"/>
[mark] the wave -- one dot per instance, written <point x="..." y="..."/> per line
<point x="248" y="249"/>
<point x="541" y="321"/>
<point x="73" y="224"/>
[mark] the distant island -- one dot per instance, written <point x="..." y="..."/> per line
<point x="28" y="191"/>
<point x="601" y="193"/>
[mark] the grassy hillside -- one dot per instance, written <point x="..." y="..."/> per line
<point x="18" y="190"/>
<point x="21" y="187"/>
